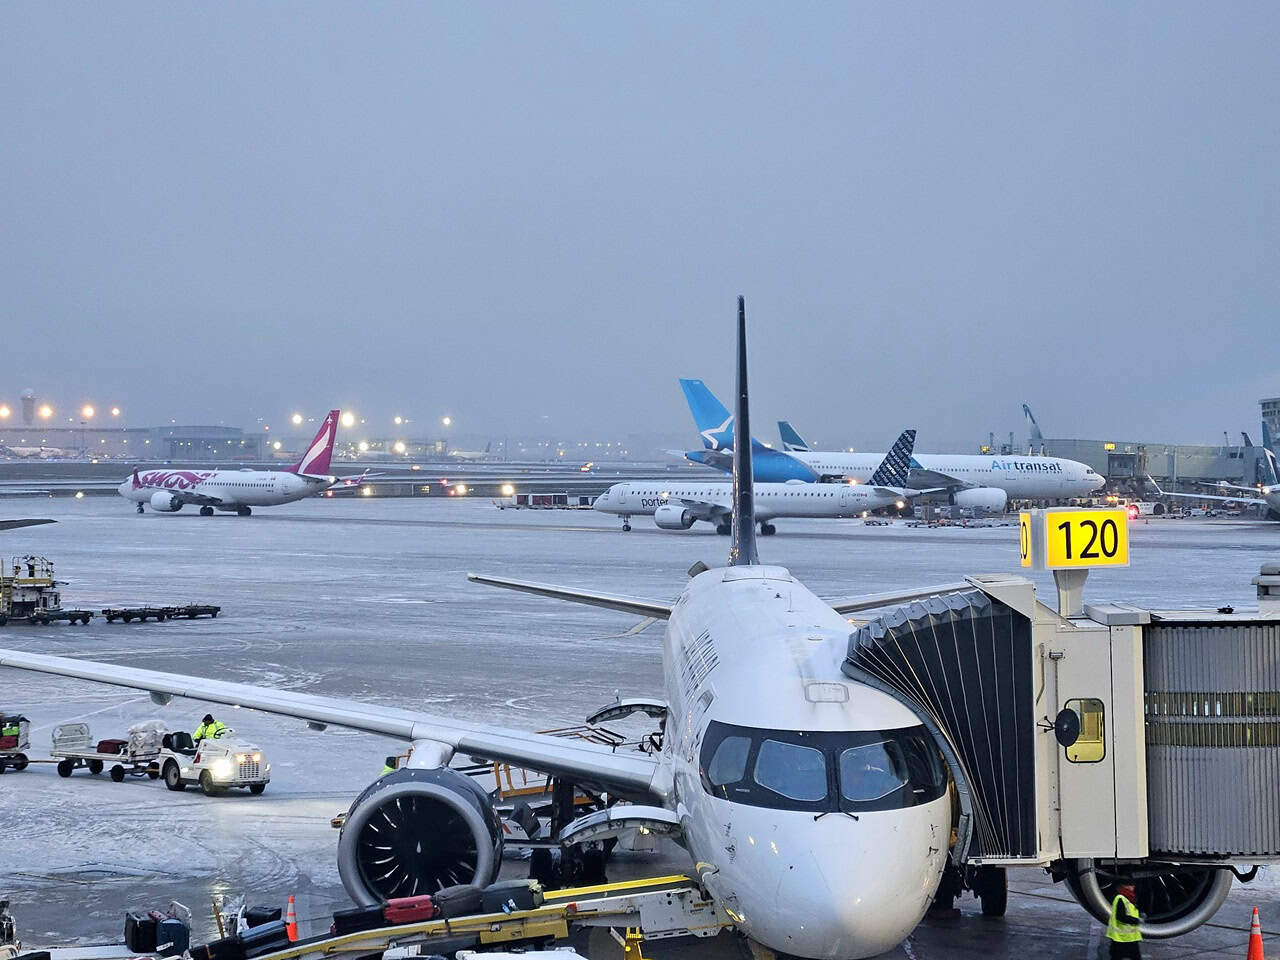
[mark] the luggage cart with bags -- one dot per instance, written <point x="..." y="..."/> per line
<point x="15" y="741"/>
<point x="74" y="747"/>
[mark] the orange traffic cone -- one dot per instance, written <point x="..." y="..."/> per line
<point x="291" y="922"/>
<point x="1255" y="939"/>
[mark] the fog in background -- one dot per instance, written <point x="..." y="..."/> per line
<point x="535" y="217"/>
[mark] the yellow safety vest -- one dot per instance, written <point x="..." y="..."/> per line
<point x="386" y="770"/>
<point x="1123" y="932"/>
<point x="211" y="732"/>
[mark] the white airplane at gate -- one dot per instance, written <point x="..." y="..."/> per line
<point x="814" y="809"/>
<point x="239" y="491"/>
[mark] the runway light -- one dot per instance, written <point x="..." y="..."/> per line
<point x="416" y="467"/>
<point x="508" y="490"/>
<point x="348" y="419"/>
<point x="86" y="411"/>
<point x="366" y="491"/>
<point x="275" y="445"/>
<point x="297" y="419"/>
<point x="79" y="494"/>
<point x="46" y="412"/>
<point x="397" y="420"/>
<point x="115" y="411"/>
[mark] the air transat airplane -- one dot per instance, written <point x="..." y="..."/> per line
<point x="679" y="506"/>
<point x="983" y="482"/>
<point x="814" y="809"/>
<point x="239" y="491"/>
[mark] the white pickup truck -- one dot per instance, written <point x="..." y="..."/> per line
<point x="215" y="764"/>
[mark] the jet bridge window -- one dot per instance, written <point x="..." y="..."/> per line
<point x="1091" y="746"/>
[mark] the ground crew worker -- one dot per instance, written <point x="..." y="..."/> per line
<point x="389" y="766"/>
<point x="209" y="729"/>
<point x="1122" y="928"/>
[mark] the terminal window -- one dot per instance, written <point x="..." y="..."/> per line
<point x="1091" y="746"/>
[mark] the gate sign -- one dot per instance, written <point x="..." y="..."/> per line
<point x="1074" y="539"/>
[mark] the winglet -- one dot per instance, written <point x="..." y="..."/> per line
<point x="742" y="551"/>
<point x="316" y="460"/>
<point x="896" y="465"/>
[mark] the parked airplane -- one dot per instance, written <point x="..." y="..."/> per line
<point x="815" y="808"/>
<point x="238" y="491"/>
<point x="679" y="506"/>
<point x="982" y="482"/>
<point x="1264" y="495"/>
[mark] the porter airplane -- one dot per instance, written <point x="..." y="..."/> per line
<point x="814" y="809"/>
<point x="238" y="491"/>
<point x="679" y="506"/>
<point x="984" y="482"/>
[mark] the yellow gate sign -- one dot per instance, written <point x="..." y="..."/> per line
<point x="1085" y="538"/>
<point x="1024" y="537"/>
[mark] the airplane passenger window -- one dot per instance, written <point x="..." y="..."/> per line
<point x="729" y="763"/>
<point x="795" y="772"/>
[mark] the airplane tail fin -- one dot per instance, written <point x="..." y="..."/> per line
<point x="319" y="452"/>
<point x="1266" y="436"/>
<point x="1036" y="437"/>
<point x="742" y="550"/>
<point x="895" y="467"/>
<point x="713" y="421"/>
<point x="137" y="484"/>
<point x="791" y="439"/>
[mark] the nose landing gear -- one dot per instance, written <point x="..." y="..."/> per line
<point x="140" y="508"/>
<point x="626" y="524"/>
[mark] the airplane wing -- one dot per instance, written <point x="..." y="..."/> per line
<point x="932" y="478"/>
<point x="15" y="524"/>
<point x="611" y="601"/>
<point x="193" y="496"/>
<point x="707" y="510"/>
<point x="629" y="773"/>
<point x="1208" y="496"/>
<point x="871" y="601"/>
<point x="908" y="492"/>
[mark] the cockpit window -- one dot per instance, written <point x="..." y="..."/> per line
<point x="852" y="770"/>
<point x="795" y="772"/>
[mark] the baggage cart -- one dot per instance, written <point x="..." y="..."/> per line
<point x="74" y="748"/>
<point x="15" y="742"/>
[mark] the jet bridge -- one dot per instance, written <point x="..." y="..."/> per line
<point x="1118" y="745"/>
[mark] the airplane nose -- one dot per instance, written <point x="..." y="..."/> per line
<point x="601" y="501"/>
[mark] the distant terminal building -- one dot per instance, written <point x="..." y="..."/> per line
<point x="47" y="441"/>
<point x="1271" y="415"/>
<point x="1122" y="460"/>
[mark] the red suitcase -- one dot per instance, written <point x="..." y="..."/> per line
<point x="410" y="909"/>
<point x="112" y="746"/>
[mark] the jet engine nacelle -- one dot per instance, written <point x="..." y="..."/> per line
<point x="671" y="517"/>
<point x="165" y="502"/>
<point x="990" y="499"/>
<point x="415" y="831"/>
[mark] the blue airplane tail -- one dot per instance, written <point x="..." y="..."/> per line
<point x="791" y="439"/>
<point x="895" y="467"/>
<point x="713" y="421"/>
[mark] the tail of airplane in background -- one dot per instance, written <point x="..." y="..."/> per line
<point x="315" y="462"/>
<point x="1037" y="439"/>
<point x="895" y="467"/>
<point x="791" y="439"/>
<point x="713" y="421"/>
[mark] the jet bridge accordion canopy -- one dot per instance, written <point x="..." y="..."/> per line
<point x="963" y="662"/>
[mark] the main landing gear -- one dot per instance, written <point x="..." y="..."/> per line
<point x="242" y="511"/>
<point x="723" y="529"/>
<point x="206" y="511"/>
<point x="140" y="508"/>
<point x="767" y="529"/>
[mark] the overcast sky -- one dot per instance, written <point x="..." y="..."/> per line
<point x="535" y="214"/>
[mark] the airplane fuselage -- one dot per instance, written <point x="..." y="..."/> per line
<point x="233" y="488"/>
<point x="816" y="807"/>
<point x="1022" y="478"/>
<point x="643" y="498"/>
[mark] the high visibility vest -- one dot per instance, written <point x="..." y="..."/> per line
<point x="210" y="732"/>
<point x="386" y="770"/>
<point x="1123" y="932"/>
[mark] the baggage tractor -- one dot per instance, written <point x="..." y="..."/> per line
<point x="458" y="901"/>
<point x="173" y="937"/>
<point x="510" y="896"/>
<point x="356" y="919"/>
<point x="140" y="932"/>
<point x="265" y="938"/>
<point x="112" y="746"/>
<point x="257" y="916"/>
<point x="410" y="909"/>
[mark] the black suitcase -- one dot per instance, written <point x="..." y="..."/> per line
<point x="264" y="938"/>
<point x="458" y="901"/>
<point x="509" y="896"/>
<point x="140" y="933"/>
<point x="227" y="949"/>
<point x="257" y="916"/>
<point x="356" y="919"/>
<point x="172" y="937"/>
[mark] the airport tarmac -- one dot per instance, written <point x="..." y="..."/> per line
<point x="367" y="599"/>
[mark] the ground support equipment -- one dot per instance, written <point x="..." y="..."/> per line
<point x="141" y="614"/>
<point x="73" y="748"/>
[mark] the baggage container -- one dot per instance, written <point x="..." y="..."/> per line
<point x="459" y="900"/>
<point x="357" y="919"/>
<point x="140" y="932"/>
<point x="510" y="896"/>
<point x="173" y="936"/>
<point x="410" y="909"/>
<point x="257" y="916"/>
<point x="265" y="938"/>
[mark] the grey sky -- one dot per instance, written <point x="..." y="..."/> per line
<point x="217" y="212"/>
